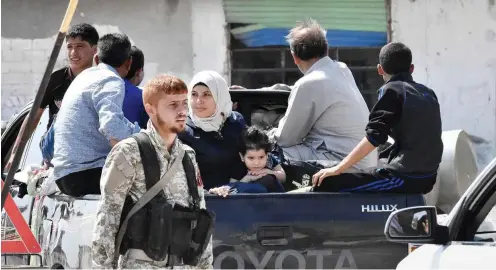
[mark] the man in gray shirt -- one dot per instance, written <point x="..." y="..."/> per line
<point x="326" y="114"/>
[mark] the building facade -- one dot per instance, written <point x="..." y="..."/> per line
<point x="173" y="34"/>
<point x="453" y="43"/>
<point x="454" y="52"/>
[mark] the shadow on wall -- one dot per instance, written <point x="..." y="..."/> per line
<point x="484" y="151"/>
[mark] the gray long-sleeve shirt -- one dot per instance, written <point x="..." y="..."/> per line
<point x="326" y="113"/>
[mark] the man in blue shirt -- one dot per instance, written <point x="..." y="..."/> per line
<point x="133" y="107"/>
<point x="90" y="120"/>
<point x="81" y="42"/>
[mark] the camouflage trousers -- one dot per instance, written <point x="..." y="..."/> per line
<point x="127" y="262"/>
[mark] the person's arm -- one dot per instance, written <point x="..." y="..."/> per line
<point x="359" y="152"/>
<point x="383" y="116"/>
<point x="299" y="117"/>
<point x="250" y="178"/>
<point x="237" y="167"/>
<point x="278" y="172"/>
<point x="116" y="180"/>
<point x="108" y="104"/>
<point x="207" y="258"/>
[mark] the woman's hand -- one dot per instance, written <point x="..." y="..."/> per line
<point x="322" y="174"/>
<point x="222" y="191"/>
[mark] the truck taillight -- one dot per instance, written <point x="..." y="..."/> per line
<point x="412" y="247"/>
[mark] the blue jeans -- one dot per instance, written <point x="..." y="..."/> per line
<point x="47" y="145"/>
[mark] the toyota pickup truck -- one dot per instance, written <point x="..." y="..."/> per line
<point x="278" y="230"/>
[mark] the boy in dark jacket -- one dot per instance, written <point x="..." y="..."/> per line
<point x="409" y="113"/>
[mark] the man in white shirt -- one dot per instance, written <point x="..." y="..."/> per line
<point x="326" y="115"/>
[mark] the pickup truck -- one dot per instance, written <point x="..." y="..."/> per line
<point x="279" y="230"/>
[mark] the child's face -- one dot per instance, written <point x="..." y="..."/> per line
<point x="255" y="160"/>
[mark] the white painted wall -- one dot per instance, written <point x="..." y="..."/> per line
<point x="454" y="52"/>
<point x="210" y="37"/>
<point x="177" y="37"/>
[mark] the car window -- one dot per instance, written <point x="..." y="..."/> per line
<point x="486" y="230"/>
<point x="32" y="153"/>
<point x="489" y="223"/>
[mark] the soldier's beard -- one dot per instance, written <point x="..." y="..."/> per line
<point x="175" y="128"/>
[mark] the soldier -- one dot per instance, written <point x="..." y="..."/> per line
<point x="123" y="183"/>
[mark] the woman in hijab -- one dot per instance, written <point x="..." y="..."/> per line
<point x="213" y="130"/>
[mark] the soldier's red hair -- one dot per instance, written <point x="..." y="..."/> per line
<point x="163" y="84"/>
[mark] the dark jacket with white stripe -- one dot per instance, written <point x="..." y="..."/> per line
<point x="409" y="113"/>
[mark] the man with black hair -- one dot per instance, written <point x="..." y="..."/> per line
<point x="81" y="42"/>
<point x="408" y="112"/>
<point x="133" y="107"/>
<point x="91" y="120"/>
<point x="326" y="112"/>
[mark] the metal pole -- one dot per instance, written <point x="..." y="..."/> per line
<point x="25" y="135"/>
<point x="389" y="29"/>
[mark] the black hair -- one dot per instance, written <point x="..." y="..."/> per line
<point x="254" y="138"/>
<point x="84" y="31"/>
<point x="395" y="58"/>
<point x="114" y="49"/>
<point x="200" y="83"/>
<point x="308" y="40"/>
<point x="137" y="63"/>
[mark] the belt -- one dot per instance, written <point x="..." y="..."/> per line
<point x="139" y="254"/>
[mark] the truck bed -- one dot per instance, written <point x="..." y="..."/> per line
<point x="306" y="230"/>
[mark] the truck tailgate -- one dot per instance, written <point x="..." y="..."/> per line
<point x="308" y="230"/>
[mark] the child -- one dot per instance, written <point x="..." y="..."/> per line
<point x="408" y="112"/>
<point x="264" y="171"/>
<point x="257" y="157"/>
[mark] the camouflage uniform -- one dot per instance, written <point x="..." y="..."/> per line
<point x="122" y="175"/>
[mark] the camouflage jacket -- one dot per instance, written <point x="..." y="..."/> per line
<point x="123" y="175"/>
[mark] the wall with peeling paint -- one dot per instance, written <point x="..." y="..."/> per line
<point x="176" y="37"/>
<point x="454" y="52"/>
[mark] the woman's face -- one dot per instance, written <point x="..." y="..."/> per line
<point x="202" y="102"/>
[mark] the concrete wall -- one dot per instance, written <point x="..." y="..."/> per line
<point x="454" y="52"/>
<point x="210" y="37"/>
<point x="177" y="37"/>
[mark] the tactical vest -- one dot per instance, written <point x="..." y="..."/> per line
<point x="159" y="229"/>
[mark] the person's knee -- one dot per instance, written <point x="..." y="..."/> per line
<point x="271" y="183"/>
<point x="80" y="184"/>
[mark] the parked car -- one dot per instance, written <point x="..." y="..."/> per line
<point x="465" y="239"/>
<point x="281" y="230"/>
